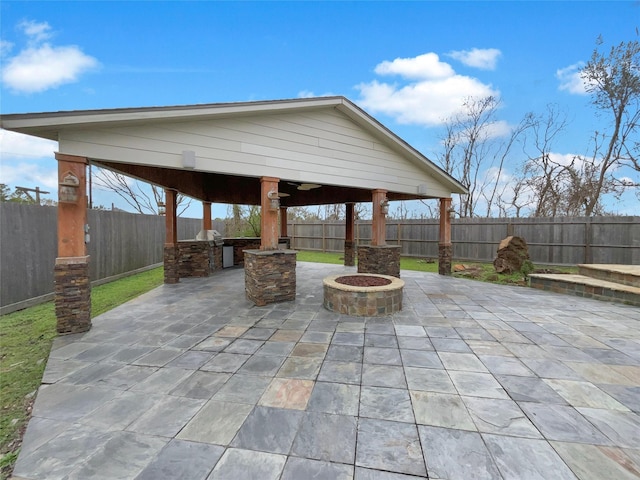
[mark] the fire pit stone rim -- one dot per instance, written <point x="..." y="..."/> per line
<point x="395" y="284"/>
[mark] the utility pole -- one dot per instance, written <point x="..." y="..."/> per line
<point x="36" y="190"/>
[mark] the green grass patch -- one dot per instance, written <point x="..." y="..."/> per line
<point x="25" y="342"/>
<point x="406" y="263"/>
<point x="320" y="257"/>
<point x="482" y="271"/>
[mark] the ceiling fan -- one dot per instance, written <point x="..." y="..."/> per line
<point x="305" y="186"/>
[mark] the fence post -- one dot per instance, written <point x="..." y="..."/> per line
<point x="324" y="240"/>
<point x="588" y="232"/>
<point x="510" y="229"/>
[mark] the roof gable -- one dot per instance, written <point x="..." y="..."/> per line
<point x="327" y="140"/>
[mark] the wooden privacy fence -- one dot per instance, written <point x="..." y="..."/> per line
<point x="557" y="241"/>
<point x="120" y="242"/>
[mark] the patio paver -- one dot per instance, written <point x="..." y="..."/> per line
<point x="469" y="380"/>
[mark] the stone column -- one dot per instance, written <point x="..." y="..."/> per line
<point x="379" y="257"/>
<point x="268" y="214"/>
<point x="270" y="276"/>
<point x="269" y="273"/>
<point x="349" y="244"/>
<point x="171" y="274"/>
<point x="72" y="290"/>
<point x="206" y="216"/>
<point x="445" y="248"/>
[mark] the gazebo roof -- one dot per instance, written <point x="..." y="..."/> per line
<point x="327" y="141"/>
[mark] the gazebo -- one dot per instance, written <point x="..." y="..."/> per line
<point x="275" y="154"/>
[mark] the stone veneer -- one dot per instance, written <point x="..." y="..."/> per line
<point x="198" y="258"/>
<point x="382" y="259"/>
<point x="445" y="256"/>
<point x="270" y="276"/>
<point x="72" y="294"/>
<point x="349" y="254"/>
<point x="363" y="301"/>
<point x="171" y="264"/>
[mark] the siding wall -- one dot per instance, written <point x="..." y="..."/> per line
<point x="316" y="146"/>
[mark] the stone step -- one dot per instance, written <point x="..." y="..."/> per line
<point x="623" y="274"/>
<point x="588" y="287"/>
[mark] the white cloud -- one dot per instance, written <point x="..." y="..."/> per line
<point x="426" y="66"/>
<point x="27" y="161"/>
<point x="14" y="145"/>
<point x="41" y="66"/>
<point x="497" y="129"/>
<point x="30" y="175"/>
<point x="36" y="31"/>
<point x="483" y="58"/>
<point x="311" y="94"/>
<point x="433" y="93"/>
<point x="5" y="47"/>
<point x="570" y="79"/>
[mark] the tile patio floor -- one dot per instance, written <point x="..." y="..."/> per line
<point x="470" y="380"/>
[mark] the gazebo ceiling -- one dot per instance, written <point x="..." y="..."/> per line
<point x="326" y="141"/>
<point x="244" y="190"/>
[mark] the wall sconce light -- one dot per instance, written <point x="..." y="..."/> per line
<point x="452" y="213"/>
<point x="384" y="206"/>
<point x="189" y="159"/>
<point x="274" y="200"/>
<point x="69" y="187"/>
<point x="162" y="208"/>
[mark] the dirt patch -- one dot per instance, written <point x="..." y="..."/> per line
<point x="470" y="271"/>
<point x="362" y="281"/>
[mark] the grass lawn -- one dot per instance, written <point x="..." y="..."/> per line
<point x="473" y="270"/>
<point x="406" y="263"/>
<point x="25" y="341"/>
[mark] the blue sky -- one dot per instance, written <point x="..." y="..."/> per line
<point x="409" y="64"/>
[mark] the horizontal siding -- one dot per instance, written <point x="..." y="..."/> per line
<point x="321" y="147"/>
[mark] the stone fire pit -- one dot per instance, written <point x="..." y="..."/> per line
<point x="363" y="294"/>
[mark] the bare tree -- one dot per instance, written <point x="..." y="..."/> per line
<point x="142" y="197"/>
<point x="544" y="176"/>
<point x="494" y="195"/>
<point x="613" y="80"/>
<point x="474" y="154"/>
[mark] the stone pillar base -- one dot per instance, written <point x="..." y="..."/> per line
<point x="382" y="259"/>
<point x="349" y="254"/>
<point x="270" y="276"/>
<point x="445" y="256"/>
<point x="171" y="274"/>
<point x="72" y="294"/>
